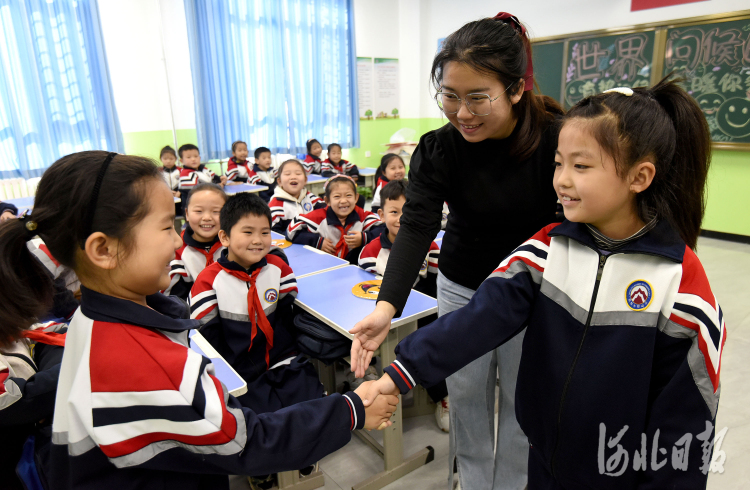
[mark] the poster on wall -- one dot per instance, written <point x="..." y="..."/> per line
<point x="364" y="88"/>
<point x="386" y="85"/>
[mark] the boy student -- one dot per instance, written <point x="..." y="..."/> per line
<point x="193" y="171"/>
<point x="374" y="258"/>
<point x="263" y="173"/>
<point x="244" y="301"/>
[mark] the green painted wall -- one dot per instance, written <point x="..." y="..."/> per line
<point x="727" y="210"/>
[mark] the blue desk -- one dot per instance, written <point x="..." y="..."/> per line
<point x="328" y="296"/>
<point x="439" y="242"/>
<point x="368" y="175"/>
<point x="224" y="372"/>
<point x="22" y="203"/>
<point x="440" y="235"/>
<point x="306" y="261"/>
<point x="235" y="189"/>
<point x="315" y="184"/>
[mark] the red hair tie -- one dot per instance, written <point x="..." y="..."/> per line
<point x="516" y="24"/>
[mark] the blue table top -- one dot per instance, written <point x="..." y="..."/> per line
<point x="307" y="260"/>
<point x="22" y="203"/>
<point x="367" y="171"/>
<point x="440" y="235"/>
<point x="224" y="372"/>
<point x="439" y="242"/>
<point x="328" y="296"/>
<point x="313" y="178"/>
<point x="234" y="189"/>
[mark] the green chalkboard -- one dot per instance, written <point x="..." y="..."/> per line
<point x="548" y="67"/>
<point x="596" y="64"/>
<point x="714" y="59"/>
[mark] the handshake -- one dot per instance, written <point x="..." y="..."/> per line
<point x="380" y="400"/>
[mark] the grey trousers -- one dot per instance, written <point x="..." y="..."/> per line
<point x="472" y="410"/>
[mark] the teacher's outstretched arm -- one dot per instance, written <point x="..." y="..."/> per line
<point x="420" y="224"/>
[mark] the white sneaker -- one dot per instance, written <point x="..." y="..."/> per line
<point x="442" y="415"/>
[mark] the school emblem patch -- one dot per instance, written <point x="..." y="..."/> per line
<point x="307" y="207"/>
<point x="367" y="289"/>
<point x="638" y="295"/>
<point x="424" y="266"/>
<point x="271" y="295"/>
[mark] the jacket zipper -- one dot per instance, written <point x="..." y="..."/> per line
<point x="602" y="260"/>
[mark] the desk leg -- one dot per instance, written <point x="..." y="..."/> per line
<point x="395" y="464"/>
<point x="292" y="480"/>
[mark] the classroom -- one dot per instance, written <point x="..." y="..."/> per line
<point x="199" y="200"/>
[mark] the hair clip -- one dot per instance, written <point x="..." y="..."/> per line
<point x="339" y="176"/>
<point x="621" y="90"/>
<point x="30" y="225"/>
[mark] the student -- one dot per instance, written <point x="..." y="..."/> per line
<point x="342" y="227"/>
<point x="334" y="165"/>
<point x="29" y="370"/>
<point x="193" y="171"/>
<point x="290" y="198"/>
<point x="201" y="246"/>
<point x="135" y="407"/>
<point x="239" y="167"/>
<point x="7" y="211"/>
<point x="263" y="173"/>
<point x="374" y="258"/>
<point x="623" y="334"/>
<point x="312" y="161"/>
<point x="391" y="168"/>
<point x="170" y="170"/>
<point x="244" y="301"/>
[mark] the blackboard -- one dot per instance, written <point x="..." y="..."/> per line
<point x="714" y="59"/>
<point x="548" y="66"/>
<point x="596" y="64"/>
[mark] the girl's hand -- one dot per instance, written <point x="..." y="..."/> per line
<point x="353" y="240"/>
<point x="6" y="216"/>
<point x="379" y="411"/>
<point x="328" y="247"/>
<point x="223" y="180"/>
<point x="383" y="386"/>
<point x="370" y="332"/>
<point x="176" y="193"/>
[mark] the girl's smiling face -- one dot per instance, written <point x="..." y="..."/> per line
<point x="203" y="213"/>
<point x="292" y="179"/>
<point x="334" y="154"/>
<point x="395" y="169"/>
<point x="240" y="152"/>
<point x="342" y="199"/>
<point x="316" y="149"/>
<point x="168" y="160"/>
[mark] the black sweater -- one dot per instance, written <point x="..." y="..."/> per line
<point x="496" y="202"/>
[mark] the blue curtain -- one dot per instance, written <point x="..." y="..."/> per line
<point x="273" y="73"/>
<point x="55" y="94"/>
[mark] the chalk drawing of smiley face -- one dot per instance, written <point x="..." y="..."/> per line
<point x="573" y="93"/>
<point x="733" y="117"/>
<point x="709" y="103"/>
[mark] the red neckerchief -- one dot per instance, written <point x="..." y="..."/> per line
<point x="41" y="337"/>
<point x="341" y="247"/>
<point x="208" y="254"/>
<point x="255" y="309"/>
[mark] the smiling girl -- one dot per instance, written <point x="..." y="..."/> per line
<point x="291" y="198"/>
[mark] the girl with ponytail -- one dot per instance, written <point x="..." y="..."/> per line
<point x="623" y="336"/>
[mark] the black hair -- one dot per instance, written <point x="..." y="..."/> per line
<point x="240" y="205"/>
<point x="665" y="126"/>
<point x="332" y="145"/>
<point x="292" y="161"/>
<point x="236" y="143"/>
<point x="393" y="190"/>
<point x="186" y="147"/>
<point x="311" y="142"/>
<point x="260" y="150"/>
<point x="167" y="149"/>
<point x="337" y="179"/>
<point x="63" y="199"/>
<point x="384" y="161"/>
<point x="493" y="47"/>
<point x="205" y="186"/>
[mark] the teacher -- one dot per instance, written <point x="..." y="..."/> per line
<point x="493" y="165"/>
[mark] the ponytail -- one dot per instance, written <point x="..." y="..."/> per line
<point x="26" y="287"/>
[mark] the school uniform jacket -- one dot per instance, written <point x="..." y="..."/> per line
<point x="617" y="346"/>
<point x="263" y="177"/>
<point x="313" y="228"/>
<point x="6" y="206"/>
<point x="65" y="281"/>
<point x="238" y="172"/>
<point x="172" y="177"/>
<point x="329" y="169"/>
<point x="374" y="258"/>
<point x="190" y="177"/>
<point x="382" y="181"/>
<point x="284" y="207"/>
<point x="137" y="409"/>
<point x="189" y="261"/>
<point x="312" y="164"/>
<point x="220" y="301"/>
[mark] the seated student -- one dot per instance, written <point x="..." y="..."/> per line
<point x="171" y="173"/>
<point x="29" y="370"/>
<point x="263" y="173"/>
<point x="312" y="161"/>
<point x="342" y="227"/>
<point x="7" y="211"/>
<point x="67" y="295"/>
<point x="239" y="167"/>
<point x="200" y="238"/>
<point x="135" y="406"/>
<point x="245" y="302"/>
<point x="193" y="171"/>
<point x="290" y="198"/>
<point x="374" y="258"/>
<point x="334" y="165"/>
<point x="391" y="168"/>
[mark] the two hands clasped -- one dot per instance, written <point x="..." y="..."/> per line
<point x="353" y="240"/>
<point x="380" y="399"/>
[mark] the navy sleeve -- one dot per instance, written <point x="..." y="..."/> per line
<point x="308" y="238"/>
<point x="6" y="206"/>
<point x="181" y="288"/>
<point x="281" y="225"/>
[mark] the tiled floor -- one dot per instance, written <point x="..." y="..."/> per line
<point x="728" y="268"/>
